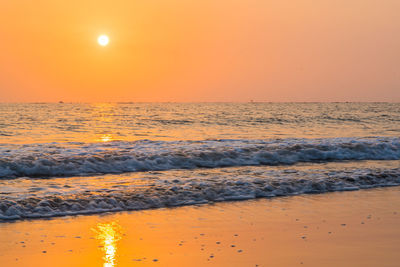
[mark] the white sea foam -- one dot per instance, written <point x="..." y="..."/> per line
<point x="37" y="198"/>
<point x="73" y="159"/>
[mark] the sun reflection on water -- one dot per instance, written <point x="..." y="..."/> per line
<point x="106" y="138"/>
<point x="103" y="115"/>
<point x="109" y="234"/>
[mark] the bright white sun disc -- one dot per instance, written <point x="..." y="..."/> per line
<point x="103" y="40"/>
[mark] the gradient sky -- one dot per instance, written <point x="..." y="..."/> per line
<point x="208" y="50"/>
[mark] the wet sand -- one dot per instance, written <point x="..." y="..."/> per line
<point x="359" y="228"/>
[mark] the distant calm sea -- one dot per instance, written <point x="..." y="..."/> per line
<point x="66" y="159"/>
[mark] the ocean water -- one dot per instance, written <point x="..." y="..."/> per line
<point x="66" y="159"/>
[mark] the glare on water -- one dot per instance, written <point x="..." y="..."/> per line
<point x="103" y="122"/>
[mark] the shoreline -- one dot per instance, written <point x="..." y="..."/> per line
<point x="53" y="197"/>
<point x="356" y="228"/>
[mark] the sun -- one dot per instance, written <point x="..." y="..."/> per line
<point x="103" y="40"/>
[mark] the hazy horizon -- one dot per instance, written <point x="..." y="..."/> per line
<point x="202" y="51"/>
<point x="194" y="102"/>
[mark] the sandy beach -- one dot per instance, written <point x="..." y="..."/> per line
<point x="199" y="133"/>
<point x="359" y="228"/>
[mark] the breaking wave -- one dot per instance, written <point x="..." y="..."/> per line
<point x="80" y="159"/>
<point x="197" y="189"/>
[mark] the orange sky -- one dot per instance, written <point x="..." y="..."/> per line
<point x="208" y="50"/>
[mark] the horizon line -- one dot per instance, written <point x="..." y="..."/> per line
<point x="189" y="102"/>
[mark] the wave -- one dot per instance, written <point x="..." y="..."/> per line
<point x="80" y="159"/>
<point x="178" y="191"/>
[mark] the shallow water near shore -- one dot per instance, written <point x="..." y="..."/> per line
<point x="71" y="159"/>
<point x="37" y="198"/>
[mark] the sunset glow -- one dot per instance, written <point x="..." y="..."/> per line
<point x="103" y="40"/>
<point x="199" y="133"/>
<point x="184" y="51"/>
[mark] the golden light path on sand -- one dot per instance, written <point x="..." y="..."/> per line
<point x="109" y="234"/>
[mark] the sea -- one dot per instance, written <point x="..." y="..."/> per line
<point x="59" y="159"/>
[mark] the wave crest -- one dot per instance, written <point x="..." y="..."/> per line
<point x="197" y="190"/>
<point x="79" y="159"/>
